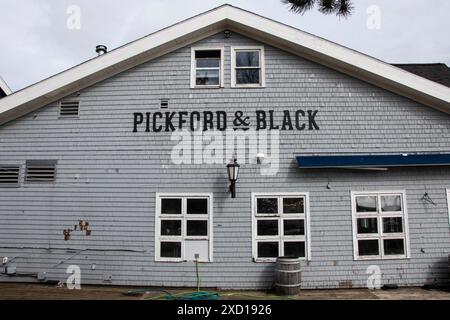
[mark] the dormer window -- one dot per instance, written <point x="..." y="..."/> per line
<point x="207" y="68"/>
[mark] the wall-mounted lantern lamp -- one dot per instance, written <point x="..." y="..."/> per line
<point x="233" y="172"/>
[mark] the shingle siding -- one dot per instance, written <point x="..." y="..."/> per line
<point x="108" y="175"/>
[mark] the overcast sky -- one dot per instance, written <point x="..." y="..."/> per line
<point x="36" y="42"/>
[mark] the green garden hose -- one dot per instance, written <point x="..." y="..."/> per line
<point x="197" y="274"/>
<point x="198" y="295"/>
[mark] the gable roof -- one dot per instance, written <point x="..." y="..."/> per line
<point x="4" y="89"/>
<point x="437" y="72"/>
<point x="211" y="22"/>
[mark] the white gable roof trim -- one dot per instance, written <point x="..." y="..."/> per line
<point x="4" y="87"/>
<point x="201" y="26"/>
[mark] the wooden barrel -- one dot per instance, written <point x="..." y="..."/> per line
<point x="287" y="275"/>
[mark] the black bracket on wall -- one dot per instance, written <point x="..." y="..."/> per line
<point x="426" y="198"/>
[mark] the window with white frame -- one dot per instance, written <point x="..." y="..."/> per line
<point x="206" y="67"/>
<point x="280" y="226"/>
<point x="380" y="225"/>
<point x="247" y="67"/>
<point x="183" y="227"/>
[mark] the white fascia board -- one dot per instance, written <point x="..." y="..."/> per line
<point x="344" y="59"/>
<point x="4" y="87"/>
<point x="183" y="33"/>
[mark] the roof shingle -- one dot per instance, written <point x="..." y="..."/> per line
<point x="437" y="72"/>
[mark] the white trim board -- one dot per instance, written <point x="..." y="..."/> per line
<point x="4" y="87"/>
<point x="448" y="205"/>
<point x="201" y="26"/>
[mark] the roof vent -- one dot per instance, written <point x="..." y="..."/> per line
<point x="101" y="49"/>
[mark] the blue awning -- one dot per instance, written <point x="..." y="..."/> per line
<point x="373" y="161"/>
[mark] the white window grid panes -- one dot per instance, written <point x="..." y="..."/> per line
<point x="380" y="235"/>
<point x="280" y="217"/>
<point x="184" y="217"/>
